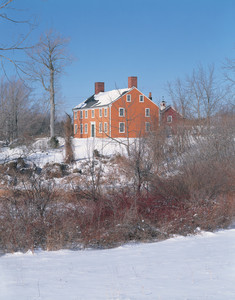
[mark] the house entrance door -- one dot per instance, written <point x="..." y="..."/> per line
<point x="92" y="129"/>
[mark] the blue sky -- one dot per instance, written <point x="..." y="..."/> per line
<point x="156" y="40"/>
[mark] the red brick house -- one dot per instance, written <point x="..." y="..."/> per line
<point x="117" y="113"/>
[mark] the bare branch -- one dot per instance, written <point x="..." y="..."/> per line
<point x="17" y="45"/>
<point x="5" y="4"/>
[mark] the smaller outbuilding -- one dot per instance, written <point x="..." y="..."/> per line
<point x="169" y="116"/>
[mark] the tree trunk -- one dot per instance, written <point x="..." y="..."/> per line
<point x="52" y="104"/>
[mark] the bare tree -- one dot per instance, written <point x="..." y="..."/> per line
<point x="47" y="61"/>
<point x="229" y="67"/>
<point x="229" y="74"/>
<point x="15" y="109"/>
<point x="200" y="95"/>
<point x="212" y="95"/>
<point x="179" y="94"/>
<point x="68" y="131"/>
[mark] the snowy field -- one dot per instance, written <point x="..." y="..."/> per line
<point x="196" y="267"/>
<point x="40" y="154"/>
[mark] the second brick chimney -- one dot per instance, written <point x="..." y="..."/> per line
<point x="132" y="81"/>
<point x="99" y="87"/>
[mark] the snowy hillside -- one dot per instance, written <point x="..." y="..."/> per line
<point x="40" y="153"/>
<point x="198" y="267"/>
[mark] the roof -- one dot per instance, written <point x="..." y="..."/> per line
<point x="167" y="108"/>
<point x="101" y="99"/>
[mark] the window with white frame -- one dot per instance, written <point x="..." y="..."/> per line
<point x="147" y="112"/>
<point x="128" y="98"/>
<point x="75" y="115"/>
<point x="86" y="129"/>
<point x="81" y="114"/>
<point x="100" y="127"/>
<point x="141" y="98"/>
<point x="100" y="113"/>
<point x="105" y="127"/>
<point x="105" y="112"/>
<point x="121" y="112"/>
<point x="169" y="119"/>
<point x="86" y="114"/>
<point x="147" y="126"/>
<point x="75" y="128"/>
<point x="81" y="128"/>
<point x="93" y="113"/>
<point x="121" y="127"/>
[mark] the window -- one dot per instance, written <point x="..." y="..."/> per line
<point x="147" y="112"/>
<point x="147" y="126"/>
<point x="75" y="115"/>
<point x="75" y="128"/>
<point x="100" y="127"/>
<point x="105" y="112"/>
<point x="93" y="113"/>
<point x="81" y="128"/>
<point x="128" y="98"/>
<point x="100" y="112"/>
<point x="105" y="127"/>
<point x="121" y="127"/>
<point x="81" y="114"/>
<point x="169" y="119"/>
<point x="86" y="128"/>
<point x="141" y="98"/>
<point x="121" y="112"/>
<point x="86" y="114"/>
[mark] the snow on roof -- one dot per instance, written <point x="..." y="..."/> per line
<point x="105" y="98"/>
<point x="81" y="105"/>
<point x="101" y="99"/>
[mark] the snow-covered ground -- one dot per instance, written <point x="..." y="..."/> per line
<point x="40" y="154"/>
<point x="195" y="267"/>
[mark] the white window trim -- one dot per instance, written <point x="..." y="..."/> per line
<point x="105" y="112"/>
<point x="75" y="115"/>
<point x="128" y="95"/>
<point x="123" y="111"/>
<point x="147" y="109"/>
<point x="169" y="119"/>
<point x="100" y="112"/>
<point x="86" y="128"/>
<point x="93" y="113"/>
<point x="140" y="96"/>
<point x="81" y="128"/>
<point x="75" y="129"/>
<point x="81" y="114"/>
<point x="120" y="127"/>
<point x="105" y="127"/>
<point x="86" y="114"/>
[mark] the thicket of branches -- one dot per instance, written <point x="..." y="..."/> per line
<point x="173" y="185"/>
<point x="22" y="118"/>
<point x="201" y="94"/>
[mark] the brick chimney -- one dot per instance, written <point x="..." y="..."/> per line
<point x="132" y="81"/>
<point x="150" y="96"/>
<point x="99" y="87"/>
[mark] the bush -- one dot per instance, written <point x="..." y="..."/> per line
<point x="172" y="186"/>
<point x="53" y="142"/>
